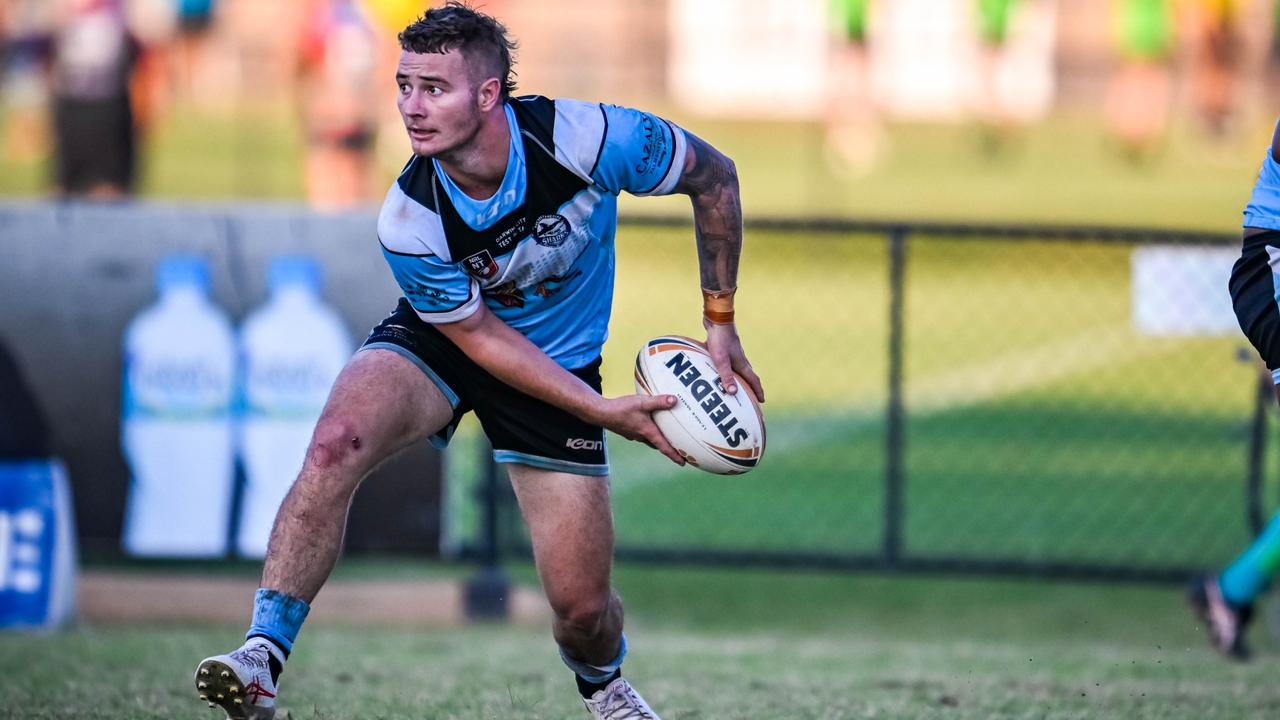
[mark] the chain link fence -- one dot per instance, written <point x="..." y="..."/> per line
<point x="1002" y="399"/>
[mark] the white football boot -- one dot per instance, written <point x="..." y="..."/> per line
<point x="240" y="682"/>
<point x="619" y="701"/>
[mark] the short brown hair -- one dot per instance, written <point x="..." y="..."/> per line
<point x="479" y="37"/>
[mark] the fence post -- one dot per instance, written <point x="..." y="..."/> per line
<point x="894" y="441"/>
<point x="486" y="591"/>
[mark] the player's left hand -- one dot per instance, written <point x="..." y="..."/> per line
<point x="726" y="352"/>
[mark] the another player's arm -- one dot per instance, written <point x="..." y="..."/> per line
<point x="710" y="179"/>
<point x="513" y="359"/>
<point x="1275" y="155"/>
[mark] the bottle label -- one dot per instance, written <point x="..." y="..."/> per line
<point x="287" y="388"/>
<point x="176" y="388"/>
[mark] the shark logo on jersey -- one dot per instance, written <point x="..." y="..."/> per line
<point x="551" y="230"/>
<point x="481" y="265"/>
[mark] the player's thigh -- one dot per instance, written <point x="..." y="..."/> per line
<point x="571" y="525"/>
<point x="380" y="403"/>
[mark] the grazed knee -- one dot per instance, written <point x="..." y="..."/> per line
<point x="337" y="443"/>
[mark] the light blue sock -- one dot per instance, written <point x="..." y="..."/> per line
<point x="278" y="617"/>
<point x="1250" y="573"/>
<point x="596" y="673"/>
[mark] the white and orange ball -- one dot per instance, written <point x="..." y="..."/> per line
<point x="711" y="429"/>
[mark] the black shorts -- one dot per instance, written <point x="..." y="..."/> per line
<point x="522" y="429"/>
<point x="1256" y="297"/>
<point x="95" y="143"/>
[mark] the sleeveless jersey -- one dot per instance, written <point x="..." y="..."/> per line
<point x="539" y="253"/>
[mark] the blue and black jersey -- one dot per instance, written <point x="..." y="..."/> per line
<point x="1255" y="278"/>
<point x="539" y="252"/>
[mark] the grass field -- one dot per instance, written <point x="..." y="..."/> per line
<point x="709" y="644"/>
<point x="1041" y="426"/>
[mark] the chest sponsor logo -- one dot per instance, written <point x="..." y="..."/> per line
<point x="518" y="230"/>
<point x="551" y="230"/>
<point x="481" y="265"/>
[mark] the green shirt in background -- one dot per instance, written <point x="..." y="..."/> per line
<point x="994" y="19"/>
<point x="849" y="19"/>
<point x="1146" y="29"/>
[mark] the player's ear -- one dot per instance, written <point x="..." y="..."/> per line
<point x="489" y="94"/>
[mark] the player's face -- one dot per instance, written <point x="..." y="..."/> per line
<point x="436" y="101"/>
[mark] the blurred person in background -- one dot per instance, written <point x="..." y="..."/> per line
<point x="1224" y="601"/>
<point x="1138" y="101"/>
<point x="95" y="136"/>
<point x="195" y="19"/>
<point x="500" y="232"/>
<point x="339" y="94"/>
<point x="855" y="137"/>
<point x="25" y="27"/>
<point x="153" y="24"/>
<point x="1215" y="50"/>
<point x="1015" y="67"/>
<point x="1273" y="47"/>
<point x="994" y="20"/>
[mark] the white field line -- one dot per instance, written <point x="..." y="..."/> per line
<point x="1018" y="370"/>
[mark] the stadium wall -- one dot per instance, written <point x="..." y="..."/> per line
<point x="73" y="275"/>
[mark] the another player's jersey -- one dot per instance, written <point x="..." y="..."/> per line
<point x="539" y="252"/>
<point x="1263" y="210"/>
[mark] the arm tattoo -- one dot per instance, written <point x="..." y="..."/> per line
<point x="711" y="181"/>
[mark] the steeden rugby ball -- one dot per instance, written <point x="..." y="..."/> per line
<point x="713" y="430"/>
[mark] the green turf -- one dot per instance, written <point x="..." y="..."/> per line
<point x="709" y="644"/>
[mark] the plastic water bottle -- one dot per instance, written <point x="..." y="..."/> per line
<point x="177" y="425"/>
<point x="292" y="349"/>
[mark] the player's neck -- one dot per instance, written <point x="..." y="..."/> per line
<point x="478" y="166"/>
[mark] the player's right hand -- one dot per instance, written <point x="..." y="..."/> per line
<point x="631" y="416"/>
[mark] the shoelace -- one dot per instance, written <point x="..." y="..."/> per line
<point x="623" y="704"/>
<point x="256" y="655"/>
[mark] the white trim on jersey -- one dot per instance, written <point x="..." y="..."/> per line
<point x="405" y="227"/>
<point x="581" y="131"/>
<point x="462" y="312"/>
<point x="579" y="134"/>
